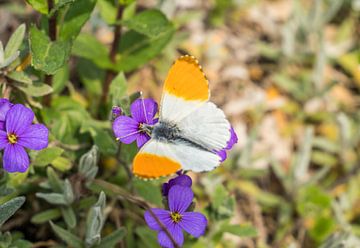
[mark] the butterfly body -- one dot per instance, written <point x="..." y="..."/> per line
<point x="191" y="129"/>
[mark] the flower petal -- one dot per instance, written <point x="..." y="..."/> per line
<point x="161" y="214"/>
<point x="233" y="139"/>
<point x="182" y="180"/>
<point x="36" y="137"/>
<point x="3" y="139"/>
<point x="180" y="198"/>
<point x="18" y="119"/>
<point x="175" y="232"/>
<point x="193" y="223"/>
<point x="5" y="105"/>
<point x="144" y="110"/>
<point x="2" y="125"/>
<point x="126" y="129"/>
<point x="15" y="158"/>
<point x="142" y="139"/>
<point x="222" y="154"/>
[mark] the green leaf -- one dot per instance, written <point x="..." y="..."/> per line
<point x="103" y="139"/>
<point x="9" y="208"/>
<point x="88" y="163"/>
<point x="118" y="87"/>
<point x="39" y="5"/>
<point x="55" y="183"/>
<point x="240" y="230"/>
<point x="137" y="49"/>
<point x="19" y="76"/>
<point x="151" y="23"/>
<point x="95" y="221"/>
<point x="53" y="198"/>
<point x="112" y="239"/>
<point x="60" y="4"/>
<point x="15" y="41"/>
<point x="47" y="56"/>
<point x="74" y="19"/>
<point x="69" y="238"/>
<point x="62" y="163"/>
<point x="107" y="11"/>
<point x="69" y="216"/>
<point x="147" y="236"/>
<point x="60" y="79"/>
<point x="149" y="190"/>
<point x="35" y="89"/>
<point x="47" y="156"/>
<point x="87" y="46"/>
<point x="46" y="215"/>
<point x="91" y="76"/>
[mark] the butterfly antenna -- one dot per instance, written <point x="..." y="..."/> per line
<point x="143" y="105"/>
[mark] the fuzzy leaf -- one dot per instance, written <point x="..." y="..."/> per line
<point x="74" y="19"/>
<point x="47" y="56"/>
<point x="69" y="238"/>
<point x="35" y="89"/>
<point x="9" y="208"/>
<point x="45" y="216"/>
<point x="15" y="41"/>
<point x="47" y="155"/>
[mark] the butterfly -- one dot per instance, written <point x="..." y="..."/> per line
<point x="190" y="128"/>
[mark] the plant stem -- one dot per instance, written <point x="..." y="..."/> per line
<point x="136" y="200"/>
<point x="52" y="35"/>
<point x="110" y="74"/>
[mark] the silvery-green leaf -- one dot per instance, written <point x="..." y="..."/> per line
<point x="55" y="183"/>
<point x="35" y="89"/>
<point x="67" y="236"/>
<point x="68" y="192"/>
<point x="9" y="208"/>
<point x="69" y="216"/>
<point x="88" y="163"/>
<point x="19" y="76"/>
<point x="53" y="198"/>
<point x="1" y="53"/>
<point x="10" y="59"/>
<point x="112" y="239"/>
<point x="95" y="221"/>
<point x="15" y="41"/>
<point x="46" y="215"/>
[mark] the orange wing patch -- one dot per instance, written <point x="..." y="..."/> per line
<point x="187" y="80"/>
<point x="150" y="166"/>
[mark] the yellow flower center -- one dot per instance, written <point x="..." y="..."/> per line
<point x="12" y="138"/>
<point x="176" y="217"/>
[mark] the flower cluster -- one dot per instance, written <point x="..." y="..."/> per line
<point x="17" y="133"/>
<point x="178" y="217"/>
<point x="128" y="129"/>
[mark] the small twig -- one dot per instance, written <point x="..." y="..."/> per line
<point x="110" y="74"/>
<point x="136" y="200"/>
<point x="52" y="34"/>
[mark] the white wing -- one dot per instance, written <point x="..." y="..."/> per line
<point x="206" y="126"/>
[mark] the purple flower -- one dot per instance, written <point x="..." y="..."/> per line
<point x="116" y="111"/>
<point x="19" y="134"/>
<point x="5" y="105"/>
<point x="176" y="219"/>
<point x="128" y="129"/>
<point x="182" y="180"/>
<point x="232" y="141"/>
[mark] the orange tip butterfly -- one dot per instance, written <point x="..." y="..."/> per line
<point x="190" y="127"/>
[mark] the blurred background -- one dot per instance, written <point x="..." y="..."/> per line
<point x="287" y="75"/>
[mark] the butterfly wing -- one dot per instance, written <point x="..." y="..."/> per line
<point x="207" y="126"/>
<point x="157" y="159"/>
<point x="186" y="89"/>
